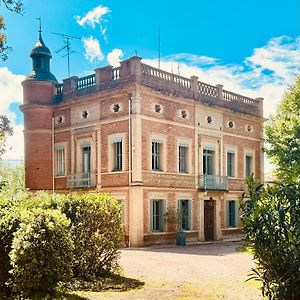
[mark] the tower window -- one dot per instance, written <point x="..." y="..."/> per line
<point x="84" y="114"/>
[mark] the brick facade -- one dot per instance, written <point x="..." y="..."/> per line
<point x="131" y="106"/>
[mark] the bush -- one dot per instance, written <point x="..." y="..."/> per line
<point x="272" y="229"/>
<point x="42" y="252"/>
<point x="96" y="231"/>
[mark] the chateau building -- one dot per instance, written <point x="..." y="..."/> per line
<point x="173" y="150"/>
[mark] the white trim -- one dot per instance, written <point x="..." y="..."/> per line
<point x="111" y="139"/>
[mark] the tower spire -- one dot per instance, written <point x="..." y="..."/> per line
<point x="40" y="27"/>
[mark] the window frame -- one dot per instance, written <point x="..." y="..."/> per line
<point x="188" y="216"/>
<point x="232" y="213"/>
<point x="205" y="156"/>
<point x="249" y="153"/>
<point x="158" y="221"/>
<point x="59" y="148"/>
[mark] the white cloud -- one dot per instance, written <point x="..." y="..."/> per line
<point x="95" y="16"/>
<point x="92" y="49"/>
<point x="114" y="57"/>
<point x="10" y="85"/>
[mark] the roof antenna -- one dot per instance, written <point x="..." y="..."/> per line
<point x="136" y="53"/>
<point x="178" y="69"/>
<point x="158" y="46"/>
<point x="67" y="46"/>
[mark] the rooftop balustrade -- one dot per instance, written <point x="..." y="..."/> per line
<point x="132" y="70"/>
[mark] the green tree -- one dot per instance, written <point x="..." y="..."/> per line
<point x="14" y="6"/>
<point x="272" y="230"/>
<point x="282" y="134"/>
<point x="5" y="131"/>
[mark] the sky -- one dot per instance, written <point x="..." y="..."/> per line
<point x="251" y="47"/>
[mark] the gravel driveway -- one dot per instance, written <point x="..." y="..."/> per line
<point x="206" y="271"/>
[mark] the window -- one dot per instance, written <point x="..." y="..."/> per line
<point x="249" y="128"/>
<point x="84" y="114"/>
<point x="183" y="158"/>
<point x="184" y="212"/>
<point x="157" y="215"/>
<point x="208" y="161"/>
<point x="59" y="120"/>
<point x="230" y="163"/>
<point x="60" y="160"/>
<point x="231" y="124"/>
<point x="117" y="148"/>
<point x="156" y="155"/>
<point x="86" y="159"/>
<point x="249" y="165"/>
<point x="116" y="108"/>
<point x="184" y="114"/>
<point x="157" y="108"/>
<point x="231" y="213"/>
<point x="209" y="119"/>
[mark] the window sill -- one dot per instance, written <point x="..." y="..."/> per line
<point x="60" y="176"/>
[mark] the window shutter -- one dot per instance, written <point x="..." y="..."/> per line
<point x="151" y="215"/>
<point x="233" y="210"/>
<point x="237" y="215"/>
<point x="189" y="215"/>
<point x="179" y="214"/>
<point x="227" y="213"/>
<point x="162" y="219"/>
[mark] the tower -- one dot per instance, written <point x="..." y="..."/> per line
<point x="38" y="100"/>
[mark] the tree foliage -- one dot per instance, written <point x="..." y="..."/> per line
<point x="5" y="131"/>
<point x="272" y="229"/>
<point x="282" y="135"/>
<point x="14" y="6"/>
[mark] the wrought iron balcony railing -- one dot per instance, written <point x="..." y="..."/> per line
<point x="81" y="180"/>
<point x="213" y="182"/>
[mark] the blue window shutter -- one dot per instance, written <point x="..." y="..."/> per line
<point x="237" y="215"/>
<point x="151" y="215"/>
<point x="227" y="213"/>
<point x="233" y="211"/>
<point x="162" y="211"/>
<point x="189" y="215"/>
<point x="179" y="213"/>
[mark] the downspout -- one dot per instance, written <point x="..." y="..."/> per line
<point x="53" y="159"/>
<point x="129" y="160"/>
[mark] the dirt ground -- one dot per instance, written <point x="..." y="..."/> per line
<point x="206" y="271"/>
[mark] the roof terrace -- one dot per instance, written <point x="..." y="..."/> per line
<point x="133" y="70"/>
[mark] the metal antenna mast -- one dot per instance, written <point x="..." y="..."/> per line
<point x="67" y="47"/>
<point x="40" y="28"/>
<point x="158" y="47"/>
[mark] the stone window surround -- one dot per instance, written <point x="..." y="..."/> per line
<point x="156" y="106"/>
<point x="163" y="156"/>
<point x="187" y="142"/>
<point x="59" y="119"/>
<point x="249" y="152"/>
<point x="60" y="144"/>
<point x="79" y="144"/>
<point x="247" y="126"/>
<point x="229" y="148"/>
<point x="110" y="146"/>
<point x="215" y="147"/>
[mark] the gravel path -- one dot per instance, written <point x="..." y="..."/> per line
<point x="207" y="271"/>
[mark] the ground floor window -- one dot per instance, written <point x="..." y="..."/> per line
<point x="231" y="213"/>
<point x="185" y="214"/>
<point x="157" y="215"/>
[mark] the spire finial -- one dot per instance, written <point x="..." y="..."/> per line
<point x="40" y="27"/>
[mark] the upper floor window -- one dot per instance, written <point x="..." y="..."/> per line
<point x="86" y="159"/>
<point x="231" y="124"/>
<point x="116" y="108"/>
<point x="209" y="119"/>
<point x="185" y="214"/>
<point x="249" y="164"/>
<point x="183" y="158"/>
<point x="157" y="108"/>
<point x="157" y="155"/>
<point x="59" y="120"/>
<point x="157" y="215"/>
<point x="84" y="114"/>
<point x="249" y="128"/>
<point x="208" y="161"/>
<point x="60" y="160"/>
<point x="117" y="154"/>
<point x="184" y="114"/>
<point x="230" y="163"/>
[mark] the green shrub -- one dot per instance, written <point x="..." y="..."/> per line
<point x="96" y="231"/>
<point x="272" y="229"/>
<point x="42" y="252"/>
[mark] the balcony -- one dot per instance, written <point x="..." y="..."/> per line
<point x="213" y="182"/>
<point x="81" y="180"/>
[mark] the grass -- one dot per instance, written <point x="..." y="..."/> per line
<point x="244" y="249"/>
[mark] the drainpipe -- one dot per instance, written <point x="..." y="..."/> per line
<point x="53" y="159"/>
<point x="129" y="160"/>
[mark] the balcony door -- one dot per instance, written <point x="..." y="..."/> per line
<point x="209" y="212"/>
<point x="86" y="159"/>
<point x="208" y="162"/>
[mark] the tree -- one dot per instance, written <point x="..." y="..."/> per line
<point x="14" y="6"/>
<point x="282" y="135"/>
<point x="5" y="131"/>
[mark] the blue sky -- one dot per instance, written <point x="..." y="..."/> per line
<point x="251" y="47"/>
